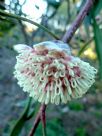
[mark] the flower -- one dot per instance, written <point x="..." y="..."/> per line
<point x="50" y="74"/>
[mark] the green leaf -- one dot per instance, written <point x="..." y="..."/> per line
<point x="21" y="121"/>
<point x="31" y="114"/>
<point x="98" y="44"/>
<point x="97" y="7"/>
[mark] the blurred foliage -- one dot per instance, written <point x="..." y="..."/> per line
<point x="81" y="132"/>
<point x="74" y="105"/>
<point x="5" y="25"/>
<point x="86" y="43"/>
<point x="54" y="128"/>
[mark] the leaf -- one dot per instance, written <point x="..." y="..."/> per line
<point x="98" y="44"/>
<point x="21" y="121"/>
<point x="97" y="7"/>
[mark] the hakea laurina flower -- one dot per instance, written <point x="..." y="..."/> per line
<point x="50" y="74"/>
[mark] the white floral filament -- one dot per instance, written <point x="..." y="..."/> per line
<point x="50" y="74"/>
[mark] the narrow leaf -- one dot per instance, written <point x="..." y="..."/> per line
<point x="98" y="44"/>
<point x="21" y="121"/>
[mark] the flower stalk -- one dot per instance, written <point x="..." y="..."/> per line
<point x="40" y="117"/>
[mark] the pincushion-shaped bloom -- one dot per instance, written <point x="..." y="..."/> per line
<point x="50" y="74"/>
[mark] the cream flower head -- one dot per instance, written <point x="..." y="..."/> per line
<point x="50" y="74"/>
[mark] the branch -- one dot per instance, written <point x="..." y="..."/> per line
<point x="40" y="116"/>
<point x="82" y="14"/>
<point x="3" y="13"/>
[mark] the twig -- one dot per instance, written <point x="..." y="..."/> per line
<point x="41" y="114"/>
<point x="69" y="34"/>
<point x="3" y="13"/>
<point x="84" y="46"/>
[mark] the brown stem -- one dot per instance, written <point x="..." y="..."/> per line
<point x="69" y="34"/>
<point x="40" y="115"/>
